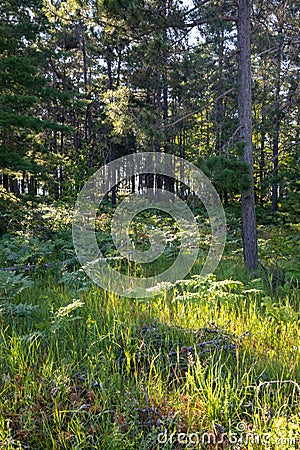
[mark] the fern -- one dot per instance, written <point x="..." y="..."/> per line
<point x="12" y="284"/>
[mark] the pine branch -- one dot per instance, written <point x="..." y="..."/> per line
<point x="209" y="20"/>
<point x="199" y="5"/>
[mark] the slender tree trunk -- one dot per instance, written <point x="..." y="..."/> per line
<point x="87" y="90"/>
<point x="219" y="114"/>
<point x="5" y="181"/>
<point x="23" y="183"/>
<point x="15" y="186"/>
<point x="112" y="157"/>
<point x="276" y="130"/>
<point x="245" y="124"/>
<point x="54" y="147"/>
<point x="207" y="129"/>
<point x="32" y="189"/>
<point x="112" y="153"/>
<point x="262" y="159"/>
<point x="133" y="184"/>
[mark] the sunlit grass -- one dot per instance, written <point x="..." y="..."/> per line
<point x="81" y="377"/>
<point x="84" y="368"/>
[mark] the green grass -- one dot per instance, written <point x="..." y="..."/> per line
<point x="93" y="375"/>
<point x="81" y="368"/>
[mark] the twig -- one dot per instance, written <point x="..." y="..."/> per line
<point x="186" y="116"/>
<point x="230" y="140"/>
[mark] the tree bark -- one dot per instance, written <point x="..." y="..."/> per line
<point x="87" y="91"/>
<point x="219" y="107"/>
<point x="262" y="159"/>
<point x="245" y="124"/>
<point x="276" y="129"/>
<point x="112" y="153"/>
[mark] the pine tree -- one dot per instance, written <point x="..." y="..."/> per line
<point x="22" y="90"/>
<point x="245" y="125"/>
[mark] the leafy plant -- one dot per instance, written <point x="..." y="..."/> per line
<point x="21" y="250"/>
<point x="20" y="310"/>
<point x="12" y="284"/>
<point x="76" y="280"/>
<point x="64" y="314"/>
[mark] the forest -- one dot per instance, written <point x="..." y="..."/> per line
<point x="149" y="224"/>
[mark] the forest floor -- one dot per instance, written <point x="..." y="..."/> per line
<point x="210" y="363"/>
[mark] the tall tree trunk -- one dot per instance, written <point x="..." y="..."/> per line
<point x="219" y="108"/>
<point x="54" y="147"/>
<point x="23" y="183"/>
<point x="112" y="152"/>
<point x="5" y="181"/>
<point x="245" y="124"/>
<point x="276" y="129"/>
<point x="87" y="91"/>
<point x="262" y="159"/>
<point x="15" y="186"/>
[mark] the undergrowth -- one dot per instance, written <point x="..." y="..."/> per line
<point x="209" y="363"/>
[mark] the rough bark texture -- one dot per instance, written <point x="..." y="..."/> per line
<point x="245" y="124"/>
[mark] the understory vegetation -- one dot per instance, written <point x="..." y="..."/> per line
<point x="83" y="368"/>
<point x="184" y="107"/>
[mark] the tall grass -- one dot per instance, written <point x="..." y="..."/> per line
<point x="90" y="370"/>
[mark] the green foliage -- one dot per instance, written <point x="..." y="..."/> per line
<point x="114" y="365"/>
<point x="18" y="81"/>
<point x="21" y="250"/>
<point x="64" y="315"/>
<point x="279" y="246"/>
<point x="12" y="284"/>
<point x="77" y="280"/>
<point x="280" y="313"/>
<point x="82" y="83"/>
<point x="227" y="174"/>
<point x="15" y="312"/>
